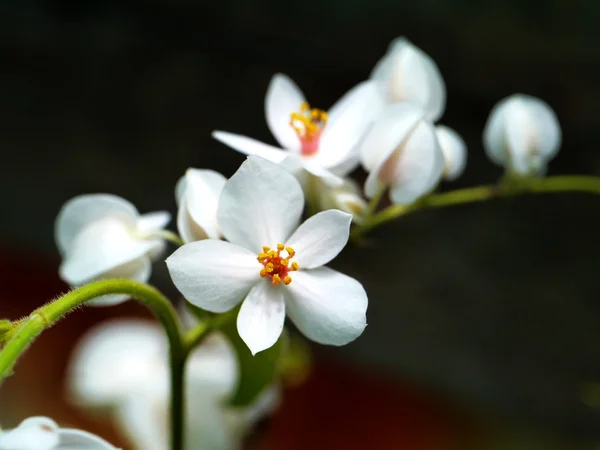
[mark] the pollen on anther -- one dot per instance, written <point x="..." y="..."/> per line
<point x="266" y="249"/>
<point x="287" y="280"/>
<point x="263" y="273"/>
<point x="280" y="247"/>
<point x="290" y="252"/>
<point x="276" y="280"/>
<point x="295" y="266"/>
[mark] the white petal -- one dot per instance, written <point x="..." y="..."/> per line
<point x="454" y="150"/>
<point x="188" y="229"/>
<point x="213" y="365"/>
<point x="260" y="205"/>
<point x="214" y="275"/>
<point x="261" y="317"/>
<point x="407" y="74"/>
<point x="391" y="128"/>
<point x="143" y="420"/>
<point x="321" y="172"/>
<point x="116" y="359"/>
<point x="414" y="168"/>
<point x="249" y="146"/>
<point x="82" y="210"/>
<point x="100" y="247"/>
<point x="153" y="221"/>
<point x="320" y="238"/>
<point x="327" y="306"/>
<point x="137" y="270"/>
<point x="282" y="99"/>
<point x="348" y="121"/>
<point x="35" y="433"/>
<point x="81" y="440"/>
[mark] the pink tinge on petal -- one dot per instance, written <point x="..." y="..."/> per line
<point x="308" y="125"/>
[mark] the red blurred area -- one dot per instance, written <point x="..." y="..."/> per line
<point x="338" y="407"/>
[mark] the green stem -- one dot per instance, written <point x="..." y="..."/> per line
<point x="46" y="316"/>
<point x="566" y="183"/>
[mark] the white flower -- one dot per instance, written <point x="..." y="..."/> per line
<point x="454" y="150"/>
<point x="346" y="197"/>
<point x="123" y="366"/>
<point x="103" y="236"/>
<point x="322" y="144"/>
<point x="197" y="194"/>
<point x="402" y="151"/>
<point x="259" y="209"/>
<point x="407" y="74"/>
<point x="522" y="134"/>
<point x="41" y="433"/>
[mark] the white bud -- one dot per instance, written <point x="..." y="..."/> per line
<point x="407" y="74"/>
<point x="454" y="150"/>
<point x="346" y="197"/>
<point x="522" y="134"/>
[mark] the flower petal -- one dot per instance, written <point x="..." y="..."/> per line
<point x="154" y="221"/>
<point x="197" y="215"/>
<point x="261" y="317"/>
<point x="71" y="439"/>
<point x="320" y="238"/>
<point x="115" y="359"/>
<point x="249" y="146"/>
<point x="282" y="99"/>
<point x="137" y="270"/>
<point x="260" y="205"/>
<point x="454" y="150"/>
<point x="35" y="433"/>
<point x="393" y="126"/>
<point x="213" y="275"/>
<point x="100" y="247"/>
<point x="348" y="121"/>
<point x="82" y="210"/>
<point x="327" y="306"/>
<point x="324" y="174"/>
<point x="143" y="420"/>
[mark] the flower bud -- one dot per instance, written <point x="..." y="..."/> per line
<point x="346" y="197"/>
<point x="454" y="150"/>
<point x="522" y="134"/>
<point x="407" y="74"/>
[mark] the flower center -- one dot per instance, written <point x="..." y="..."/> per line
<point x="275" y="265"/>
<point x="308" y="125"/>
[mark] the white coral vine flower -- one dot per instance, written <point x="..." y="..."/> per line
<point x="312" y="140"/>
<point x="103" y="236"/>
<point x="271" y="264"/>
<point x="346" y="197"/>
<point x="42" y="433"/>
<point x="522" y="134"/>
<point x="407" y="74"/>
<point x="197" y="195"/>
<point x="123" y="366"/>
<point x="402" y="151"/>
<point x="454" y="150"/>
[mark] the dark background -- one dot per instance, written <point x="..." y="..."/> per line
<point x="495" y="306"/>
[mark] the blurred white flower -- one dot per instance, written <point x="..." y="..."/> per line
<point x="259" y="209"/>
<point x="103" y="236"/>
<point x="402" y="151"/>
<point x="407" y="74"/>
<point x="522" y="134"/>
<point x="346" y="197"/>
<point x="454" y="150"/>
<point x="197" y="194"/>
<point x="41" y="433"/>
<point x="122" y="366"/>
<point x="322" y="144"/>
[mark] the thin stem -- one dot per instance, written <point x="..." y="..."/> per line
<point x="46" y="316"/>
<point x="567" y="183"/>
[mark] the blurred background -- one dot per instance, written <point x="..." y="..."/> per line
<point x="484" y="321"/>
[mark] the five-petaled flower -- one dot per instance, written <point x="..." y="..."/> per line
<point x="41" y="433"/>
<point x="271" y="264"/>
<point x="103" y="236"/>
<point x="314" y="142"/>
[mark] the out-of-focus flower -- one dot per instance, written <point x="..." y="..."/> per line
<point x="123" y="366"/>
<point x="197" y="194"/>
<point x="271" y="267"/>
<point x="314" y="141"/>
<point x="522" y="134"/>
<point x="41" y="433"/>
<point x="103" y="236"/>
<point x="402" y="151"/>
<point x="454" y="150"/>
<point x="346" y="197"/>
<point x="407" y="74"/>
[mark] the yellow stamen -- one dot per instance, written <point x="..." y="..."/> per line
<point x="272" y="254"/>
<point x="285" y="262"/>
<point x="266" y="249"/>
<point x="262" y="257"/>
<point x="295" y="266"/>
<point x="304" y="106"/>
<point x="287" y="280"/>
<point x="269" y="267"/>
<point x="263" y="273"/>
<point x="276" y="280"/>
<point x="291" y="252"/>
<point x="280" y="247"/>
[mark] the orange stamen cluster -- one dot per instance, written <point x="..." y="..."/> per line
<point x="275" y="265"/>
<point x="308" y="125"/>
